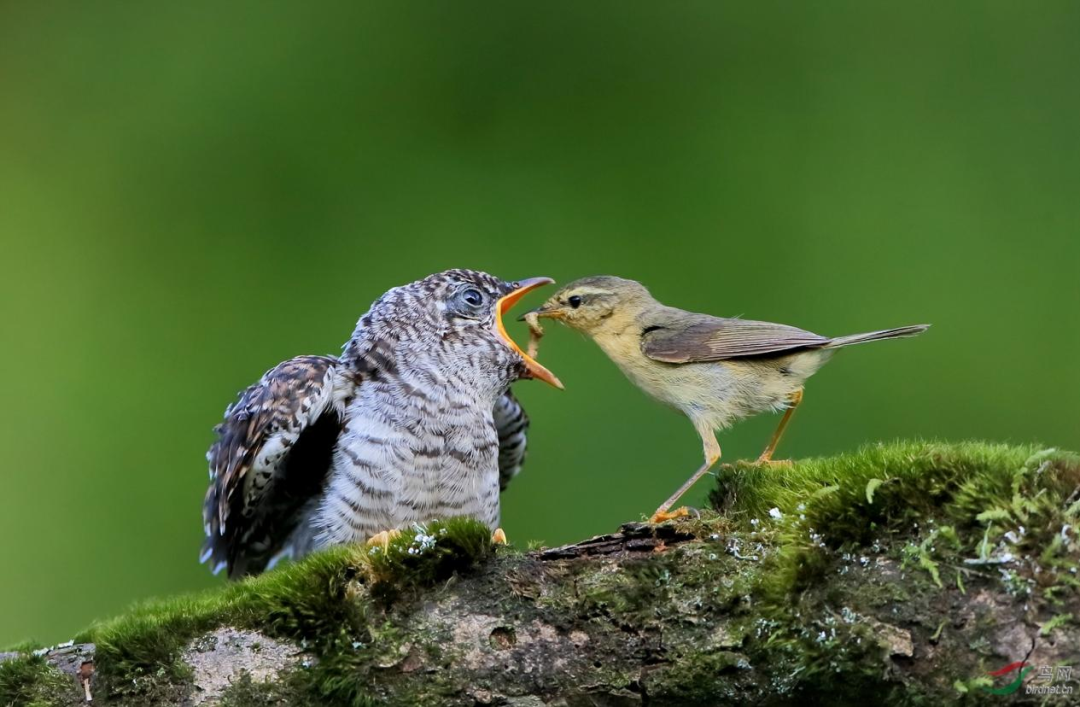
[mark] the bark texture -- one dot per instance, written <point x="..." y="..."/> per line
<point x="752" y="604"/>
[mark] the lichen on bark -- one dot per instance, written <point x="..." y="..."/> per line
<point x="901" y="573"/>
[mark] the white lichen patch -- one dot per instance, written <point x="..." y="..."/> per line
<point x="220" y="658"/>
<point x="895" y="640"/>
<point x="481" y="642"/>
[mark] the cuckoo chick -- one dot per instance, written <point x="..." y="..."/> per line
<point x="415" y="421"/>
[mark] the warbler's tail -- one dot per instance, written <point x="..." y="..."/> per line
<point x="897" y="333"/>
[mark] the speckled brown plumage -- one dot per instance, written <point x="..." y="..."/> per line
<point x="415" y="421"/>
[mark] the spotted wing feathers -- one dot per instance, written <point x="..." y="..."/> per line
<point x="271" y="458"/>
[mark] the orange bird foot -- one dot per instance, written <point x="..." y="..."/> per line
<point x="499" y="537"/>
<point x="662" y="516"/>
<point x="383" y="539"/>
<point x="766" y="461"/>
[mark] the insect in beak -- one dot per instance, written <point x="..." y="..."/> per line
<point x="543" y="310"/>
<point x="505" y="303"/>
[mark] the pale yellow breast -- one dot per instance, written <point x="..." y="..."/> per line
<point x="682" y="386"/>
<point x="716" y="393"/>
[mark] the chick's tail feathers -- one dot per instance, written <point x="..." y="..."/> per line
<point x="897" y="333"/>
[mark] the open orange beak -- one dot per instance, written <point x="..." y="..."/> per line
<point x="505" y="303"/>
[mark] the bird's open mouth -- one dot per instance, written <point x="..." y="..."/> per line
<point x="502" y="306"/>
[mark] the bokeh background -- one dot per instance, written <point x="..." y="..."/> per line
<point x="192" y="192"/>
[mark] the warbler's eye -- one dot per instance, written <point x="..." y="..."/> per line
<point x="575" y="301"/>
<point x="472" y="297"/>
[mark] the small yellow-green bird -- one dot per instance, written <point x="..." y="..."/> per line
<point x="714" y="370"/>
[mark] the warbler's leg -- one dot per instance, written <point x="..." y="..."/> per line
<point x="712" y="455"/>
<point x="383" y="539"/>
<point x="766" y="456"/>
<point x="498" y="537"/>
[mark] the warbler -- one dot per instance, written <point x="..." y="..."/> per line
<point x="714" y="370"/>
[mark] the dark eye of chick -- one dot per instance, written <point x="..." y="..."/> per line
<point x="472" y="297"/>
<point x="575" y="301"/>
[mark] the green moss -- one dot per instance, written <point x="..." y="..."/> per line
<point x="914" y="480"/>
<point x="319" y="603"/>
<point x="978" y="491"/>
<point x="28" y="681"/>
<point x="245" y="692"/>
<point x="1060" y="620"/>
<point x="698" y="678"/>
<point x="297" y="688"/>
<point x="947" y="513"/>
<point x="425" y="554"/>
<point x="789" y="575"/>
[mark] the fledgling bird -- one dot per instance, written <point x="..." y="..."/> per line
<point x="714" y="370"/>
<point x="415" y="421"/>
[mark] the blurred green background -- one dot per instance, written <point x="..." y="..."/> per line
<point x="192" y="192"/>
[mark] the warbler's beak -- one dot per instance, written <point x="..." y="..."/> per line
<point x="535" y="369"/>
<point x="549" y="310"/>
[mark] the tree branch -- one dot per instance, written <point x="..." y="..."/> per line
<point x="812" y="583"/>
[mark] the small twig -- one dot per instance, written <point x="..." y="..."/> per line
<point x="981" y="561"/>
<point x="631" y="537"/>
<point x="86" y="671"/>
<point x="970" y="571"/>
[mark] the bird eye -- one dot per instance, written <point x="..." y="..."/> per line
<point x="575" y="301"/>
<point x="472" y="297"/>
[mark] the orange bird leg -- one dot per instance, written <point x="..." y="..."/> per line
<point x="383" y="539"/>
<point x="766" y="456"/>
<point x="712" y="455"/>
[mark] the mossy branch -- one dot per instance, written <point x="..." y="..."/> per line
<point x="902" y="573"/>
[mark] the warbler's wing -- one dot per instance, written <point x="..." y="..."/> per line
<point x="700" y="337"/>
<point x="512" y="425"/>
<point x="270" y="460"/>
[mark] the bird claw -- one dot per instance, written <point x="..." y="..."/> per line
<point x="681" y="512"/>
<point x="383" y="539"/>
<point x="498" y="537"/>
<point x="776" y="463"/>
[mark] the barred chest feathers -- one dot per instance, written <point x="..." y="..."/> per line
<point x="414" y="448"/>
<point x="414" y="421"/>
